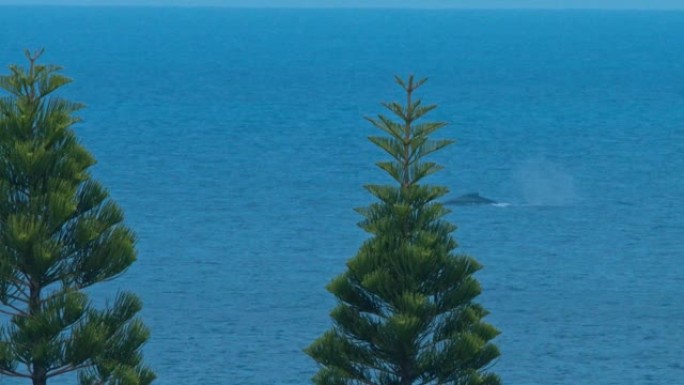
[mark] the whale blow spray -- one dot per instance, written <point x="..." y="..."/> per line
<point x="543" y="183"/>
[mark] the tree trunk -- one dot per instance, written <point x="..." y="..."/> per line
<point x="38" y="376"/>
<point x="407" y="376"/>
<point x="39" y="372"/>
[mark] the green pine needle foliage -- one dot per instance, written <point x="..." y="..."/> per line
<point x="59" y="234"/>
<point x="406" y="313"/>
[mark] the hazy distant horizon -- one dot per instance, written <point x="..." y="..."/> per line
<point x="456" y="4"/>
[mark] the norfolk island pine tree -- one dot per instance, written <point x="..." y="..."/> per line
<point x="406" y="313"/>
<point x="59" y="234"/>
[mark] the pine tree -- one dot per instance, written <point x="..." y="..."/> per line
<point x="59" y="234"/>
<point x="405" y="312"/>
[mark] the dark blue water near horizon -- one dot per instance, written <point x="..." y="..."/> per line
<point x="235" y="142"/>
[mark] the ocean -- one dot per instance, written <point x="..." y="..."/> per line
<point x="235" y="141"/>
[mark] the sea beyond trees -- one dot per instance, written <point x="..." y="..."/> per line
<point x="406" y="313"/>
<point x="60" y="233"/>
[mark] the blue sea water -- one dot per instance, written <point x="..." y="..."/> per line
<point x="235" y="142"/>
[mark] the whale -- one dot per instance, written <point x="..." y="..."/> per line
<point x="470" y="199"/>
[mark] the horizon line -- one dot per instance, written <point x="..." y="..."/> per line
<point x="348" y="7"/>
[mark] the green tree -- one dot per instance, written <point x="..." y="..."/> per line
<point x="405" y="312"/>
<point x="59" y="234"/>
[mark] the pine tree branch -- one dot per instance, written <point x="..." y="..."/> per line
<point x="66" y="369"/>
<point x="19" y="311"/>
<point x="7" y="313"/>
<point x="382" y="369"/>
<point x="12" y="373"/>
<point x="17" y="283"/>
<point x="17" y="294"/>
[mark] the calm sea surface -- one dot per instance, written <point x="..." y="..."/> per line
<point x="235" y="141"/>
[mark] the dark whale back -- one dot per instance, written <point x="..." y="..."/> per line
<point x="470" y="199"/>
